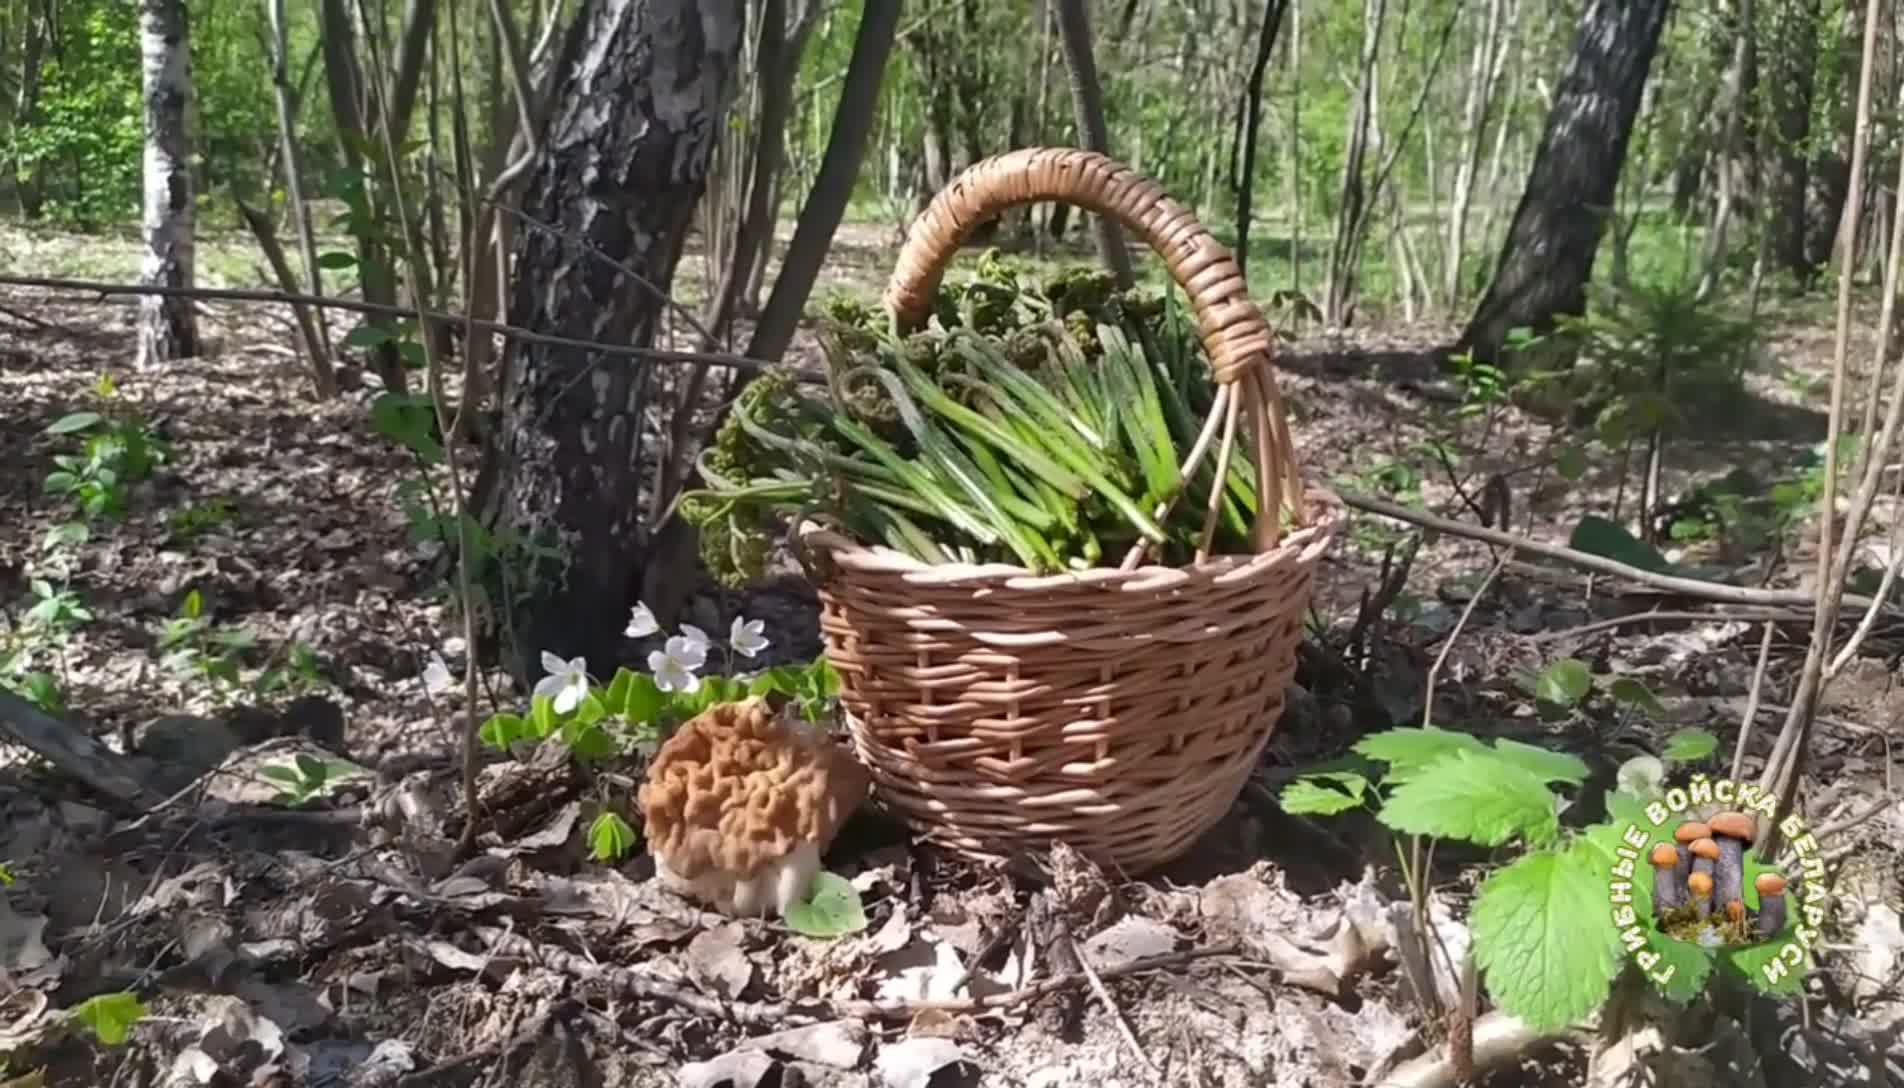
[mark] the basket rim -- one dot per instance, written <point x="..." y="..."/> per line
<point x="1307" y="541"/>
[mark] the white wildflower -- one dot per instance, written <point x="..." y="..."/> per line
<point x="641" y="621"/>
<point x="745" y="636"/>
<point x="436" y="676"/>
<point x="566" y="684"/>
<point x="697" y="636"/>
<point x="674" y="666"/>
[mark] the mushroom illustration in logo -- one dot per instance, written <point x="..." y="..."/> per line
<point x="1699" y="884"/>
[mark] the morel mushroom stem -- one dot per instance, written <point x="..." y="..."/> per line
<point x="1732" y="831"/>
<point x="1688" y="833"/>
<point x="1700" y="885"/>
<point x="1668" y="892"/>
<point x="1771" y="888"/>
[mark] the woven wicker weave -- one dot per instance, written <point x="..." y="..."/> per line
<point x="1119" y="710"/>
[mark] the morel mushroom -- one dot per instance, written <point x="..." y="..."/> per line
<point x="1668" y="892"/>
<point x="1700" y="885"/>
<point x="1771" y="888"/>
<point x="1688" y="833"/>
<point x="1732" y="831"/>
<point x="739" y="806"/>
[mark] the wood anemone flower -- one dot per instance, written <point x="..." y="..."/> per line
<point x="1668" y="891"/>
<point x="1732" y="831"/>
<point x="1700" y="885"/>
<point x="1771" y="918"/>
<point x="1688" y="833"/>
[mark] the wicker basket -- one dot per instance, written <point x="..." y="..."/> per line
<point x="1119" y="710"/>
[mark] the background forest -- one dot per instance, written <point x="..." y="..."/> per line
<point x="366" y="369"/>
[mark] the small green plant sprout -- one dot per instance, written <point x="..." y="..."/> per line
<point x="118" y="453"/>
<point x="110" y="1017"/>
<point x="307" y="777"/>
<point x="610" y="839"/>
<point x="195" y="521"/>
<point x="832" y="909"/>
<point x="193" y="648"/>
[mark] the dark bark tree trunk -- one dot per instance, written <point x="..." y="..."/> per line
<point x="168" y="330"/>
<point x="1547" y="256"/>
<point x="636" y="110"/>
<point x="832" y="185"/>
<point x="1243" y="177"/>
<point x="1087" y="97"/>
<point x="1791" y="65"/>
<point x="1828" y="178"/>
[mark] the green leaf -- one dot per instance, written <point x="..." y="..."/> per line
<point x="610" y="838"/>
<point x="1571" y="464"/>
<point x="1631" y="692"/>
<point x="1691" y="965"/>
<point x="78" y="421"/>
<point x="1690" y="746"/>
<point x="590" y="711"/>
<point x="1751" y="962"/>
<point x="1541" y="939"/>
<point x="1564" y="683"/>
<point x="281" y="772"/>
<point x="336" y="259"/>
<point x="644" y="701"/>
<point x="366" y="336"/>
<point x="1408" y="750"/>
<point x="110" y="1016"/>
<point x="503" y="730"/>
<point x="1545" y="764"/>
<point x="615" y="699"/>
<point x="1477" y="797"/>
<point x="312" y="768"/>
<point x="194" y="605"/>
<point x="588" y="741"/>
<point x="542" y="716"/>
<point x="1311" y="795"/>
<point x="831" y="909"/>
<point x="1596" y="535"/>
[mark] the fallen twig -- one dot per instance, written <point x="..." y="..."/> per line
<point x="503" y="943"/>
<point x="1769" y="616"/>
<point x="71" y="751"/>
<point x="1498" y="1039"/>
<point x="1690" y="587"/>
<point x="1110" y="1009"/>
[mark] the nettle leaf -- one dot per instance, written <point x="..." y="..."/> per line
<point x="1631" y="692"/>
<point x="1543" y="763"/>
<point x="831" y="909"/>
<point x="110" y="1016"/>
<point x="1313" y="795"/>
<point x="1476" y="797"/>
<point x="610" y="838"/>
<point x="1541" y="938"/>
<point x="1564" y="683"/>
<point x="1690" y="746"/>
<point x="1408" y="751"/>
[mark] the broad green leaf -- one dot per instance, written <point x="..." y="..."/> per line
<point x="1564" y="683"/>
<point x="590" y="711"/>
<point x="1408" y="750"/>
<point x="313" y="768"/>
<point x="78" y="421"/>
<point x="336" y="259"/>
<point x="1309" y="796"/>
<point x="366" y="336"/>
<point x="1690" y="746"/>
<point x="1596" y="535"/>
<point x="615" y="699"/>
<point x="1691" y="965"/>
<point x="1545" y="764"/>
<point x="831" y="909"/>
<point x="1631" y="692"/>
<point x="587" y="740"/>
<point x="110" y="1016"/>
<point x="194" y="605"/>
<point x="280" y="772"/>
<point x="542" y="716"/>
<point x="1571" y="464"/>
<point x="1545" y="958"/>
<point x="503" y="730"/>
<point x="610" y="838"/>
<point x="644" y="702"/>
<point x="1476" y="797"/>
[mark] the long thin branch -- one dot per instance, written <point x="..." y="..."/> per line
<point x="1690" y="587"/>
<point x="237" y="294"/>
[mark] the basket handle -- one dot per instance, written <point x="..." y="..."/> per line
<point x="1235" y="335"/>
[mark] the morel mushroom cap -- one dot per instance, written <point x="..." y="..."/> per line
<point x="739" y="806"/>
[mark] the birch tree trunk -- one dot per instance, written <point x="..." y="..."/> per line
<point x="639" y="100"/>
<point x="1548" y="254"/>
<point x="167" y="329"/>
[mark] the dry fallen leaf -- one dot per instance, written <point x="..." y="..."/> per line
<point x="735" y="1069"/>
<point x="1133" y="937"/>
<point x="716" y="958"/>
<point x="836" y="1043"/>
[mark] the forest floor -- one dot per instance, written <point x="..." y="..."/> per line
<point x="300" y="941"/>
